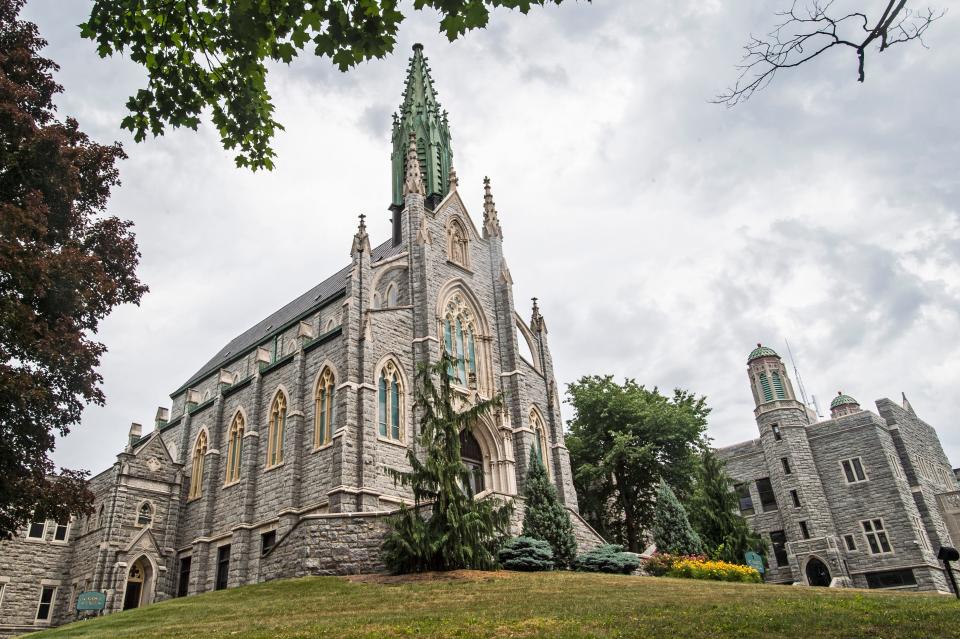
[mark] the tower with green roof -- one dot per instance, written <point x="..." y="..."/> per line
<point x="420" y="114"/>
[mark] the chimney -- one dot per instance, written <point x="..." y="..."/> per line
<point x="163" y="416"/>
<point x="135" y="432"/>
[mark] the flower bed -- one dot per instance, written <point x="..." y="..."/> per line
<point x="697" y="568"/>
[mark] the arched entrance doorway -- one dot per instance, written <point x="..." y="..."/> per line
<point x="817" y="573"/>
<point x="472" y="456"/>
<point x="131" y="598"/>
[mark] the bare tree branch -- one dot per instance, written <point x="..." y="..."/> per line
<point x="810" y="29"/>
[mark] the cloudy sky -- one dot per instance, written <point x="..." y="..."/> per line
<point x="664" y="235"/>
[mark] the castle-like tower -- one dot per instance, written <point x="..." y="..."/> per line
<point x="273" y="460"/>
<point x="861" y="499"/>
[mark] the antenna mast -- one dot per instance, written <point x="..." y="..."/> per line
<point x="796" y="374"/>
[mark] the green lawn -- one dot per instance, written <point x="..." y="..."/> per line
<point x="509" y="604"/>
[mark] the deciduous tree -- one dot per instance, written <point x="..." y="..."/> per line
<point x="213" y="54"/>
<point x="623" y="440"/>
<point x="63" y="267"/>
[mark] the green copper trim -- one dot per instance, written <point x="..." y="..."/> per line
<point x="841" y="400"/>
<point x="420" y="114"/>
<point x="761" y="351"/>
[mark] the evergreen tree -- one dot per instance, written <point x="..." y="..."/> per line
<point x="544" y="517"/>
<point x="459" y="532"/>
<point x="672" y="532"/>
<point x="715" y="514"/>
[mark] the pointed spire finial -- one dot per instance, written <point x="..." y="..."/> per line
<point x="906" y="404"/>
<point x="414" y="179"/>
<point x="454" y="181"/>
<point x="491" y="224"/>
<point x="361" y="241"/>
<point x="536" y="319"/>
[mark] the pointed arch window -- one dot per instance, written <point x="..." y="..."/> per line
<point x="458" y="247"/>
<point x="145" y="514"/>
<point x="765" y="388"/>
<point x="235" y="449"/>
<point x="101" y="519"/>
<point x="196" y="475"/>
<point x="539" y="437"/>
<point x="275" y="434"/>
<point x="391" y="296"/>
<point x="324" y="409"/>
<point x="778" y="385"/>
<point x="390" y="402"/>
<point x="459" y="338"/>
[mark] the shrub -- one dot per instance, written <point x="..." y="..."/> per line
<point x="672" y="531"/>
<point x="544" y="517"/>
<point x="608" y="558"/>
<point x="659" y="564"/>
<point x="697" y="568"/>
<point x="526" y="554"/>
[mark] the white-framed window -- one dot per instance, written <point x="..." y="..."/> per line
<point x="851" y="542"/>
<point x="897" y="468"/>
<point x="853" y="470"/>
<point x="37" y="530"/>
<point x="390" y="408"/>
<point x="61" y="532"/>
<point x="196" y="473"/>
<point x="876" y="536"/>
<point x="920" y="532"/>
<point x="48" y="595"/>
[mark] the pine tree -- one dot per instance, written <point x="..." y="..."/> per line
<point x="715" y="514"/>
<point x="460" y="532"/>
<point x="672" y="532"/>
<point x="544" y="517"/>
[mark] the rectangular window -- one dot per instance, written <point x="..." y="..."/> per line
<point x="60" y="534"/>
<point x="853" y="470"/>
<point x="744" y="498"/>
<point x="891" y="579"/>
<point x="786" y="465"/>
<point x="47" y="594"/>
<point x="804" y="530"/>
<point x="778" y="539"/>
<point x="850" y="541"/>
<point x="37" y="530"/>
<point x="921" y="533"/>
<point x="183" y="581"/>
<point x="777" y="435"/>
<point x="223" y="567"/>
<point x="795" y="496"/>
<point x="897" y="468"/>
<point x="267" y="541"/>
<point x="876" y="536"/>
<point x="767" y="499"/>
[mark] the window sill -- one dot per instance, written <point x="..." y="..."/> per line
<point x="393" y="442"/>
<point x="460" y="266"/>
<point x="232" y="483"/>
<point x="317" y="449"/>
<point x="274" y="467"/>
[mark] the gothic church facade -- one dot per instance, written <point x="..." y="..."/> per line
<point x="272" y="460"/>
<point x="862" y="499"/>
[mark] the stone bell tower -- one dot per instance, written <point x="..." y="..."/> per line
<point x="801" y="500"/>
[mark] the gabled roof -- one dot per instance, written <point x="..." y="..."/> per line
<point x="263" y="330"/>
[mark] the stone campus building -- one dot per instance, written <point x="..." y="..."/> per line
<point x="861" y="499"/>
<point x="271" y="462"/>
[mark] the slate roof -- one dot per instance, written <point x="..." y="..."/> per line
<point x="313" y="299"/>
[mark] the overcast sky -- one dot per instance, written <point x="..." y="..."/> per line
<point x="665" y="236"/>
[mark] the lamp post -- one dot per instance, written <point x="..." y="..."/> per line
<point x="946" y="555"/>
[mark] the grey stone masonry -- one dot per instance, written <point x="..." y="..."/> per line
<point x="861" y="499"/>
<point x="262" y="470"/>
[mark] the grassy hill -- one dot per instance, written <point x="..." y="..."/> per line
<point x="505" y="604"/>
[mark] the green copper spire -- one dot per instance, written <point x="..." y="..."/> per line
<point x="421" y="115"/>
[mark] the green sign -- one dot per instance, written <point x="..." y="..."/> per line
<point x="91" y="600"/>
<point x="754" y="560"/>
